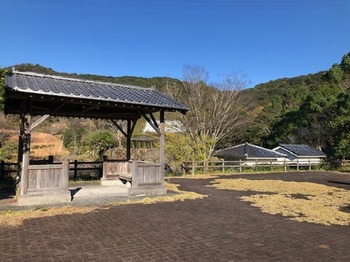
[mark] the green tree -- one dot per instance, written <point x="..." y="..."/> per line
<point x="345" y="63"/>
<point x="340" y="125"/>
<point x="2" y="87"/>
<point x="310" y="123"/>
<point x="98" y="142"/>
<point x="9" y="151"/>
<point x="177" y="150"/>
<point x="72" y="137"/>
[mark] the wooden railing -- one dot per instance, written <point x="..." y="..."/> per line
<point x="47" y="177"/>
<point x="241" y="165"/>
<point x="140" y="174"/>
<point x="146" y="174"/>
<point x="7" y="168"/>
<point x="74" y="167"/>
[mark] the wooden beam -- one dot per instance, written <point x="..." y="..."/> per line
<point x="119" y="127"/>
<point x="89" y="108"/>
<point x="154" y="120"/>
<point x="38" y="122"/>
<point x="153" y="123"/>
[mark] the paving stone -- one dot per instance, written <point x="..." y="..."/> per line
<point x="217" y="228"/>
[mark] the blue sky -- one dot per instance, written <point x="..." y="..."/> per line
<point x="263" y="39"/>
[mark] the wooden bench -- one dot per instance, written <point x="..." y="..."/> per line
<point x="125" y="178"/>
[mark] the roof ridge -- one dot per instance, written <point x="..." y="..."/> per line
<point x="79" y="80"/>
<point x="267" y="149"/>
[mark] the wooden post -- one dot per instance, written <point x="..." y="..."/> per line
<point x="285" y="165"/>
<point x="223" y="165"/>
<point x="2" y="170"/>
<point x="256" y="165"/>
<point x="134" y="172"/>
<point x="65" y="174"/>
<point x="20" y="152"/>
<point x="297" y="164"/>
<point x="193" y="164"/>
<point x="309" y="164"/>
<point x="128" y="141"/>
<point x="271" y="165"/>
<point x="162" y="143"/>
<point x="75" y="176"/>
<point x="25" y="123"/>
<point x="240" y="166"/>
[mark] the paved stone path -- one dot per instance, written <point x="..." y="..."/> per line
<point x="217" y="228"/>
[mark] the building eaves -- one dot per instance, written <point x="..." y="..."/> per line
<point x="303" y="150"/>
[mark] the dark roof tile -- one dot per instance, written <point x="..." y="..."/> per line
<point x="68" y="87"/>
<point x="303" y="150"/>
<point x="246" y="151"/>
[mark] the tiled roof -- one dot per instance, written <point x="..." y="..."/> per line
<point x="303" y="150"/>
<point x="57" y="86"/>
<point x="248" y="151"/>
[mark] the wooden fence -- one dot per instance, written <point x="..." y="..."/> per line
<point x="241" y="165"/>
<point x="75" y="167"/>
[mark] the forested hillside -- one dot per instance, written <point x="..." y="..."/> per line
<point x="309" y="109"/>
<point x="313" y="109"/>
<point x="158" y="83"/>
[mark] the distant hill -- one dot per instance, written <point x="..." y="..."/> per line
<point x="269" y="101"/>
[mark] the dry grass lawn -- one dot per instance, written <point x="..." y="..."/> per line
<point x="16" y="218"/>
<point x="300" y="201"/>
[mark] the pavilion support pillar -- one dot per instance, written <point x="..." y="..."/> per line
<point x="40" y="183"/>
<point x="128" y="140"/>
<point x="162" y="143"/>
<point x="25" y="139"/>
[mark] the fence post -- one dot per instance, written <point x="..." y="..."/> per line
<point x="223" y="165"/>
<point x="297" y="164"/>
<point x="285" y="165"/>
<point x="205" y="166"/>
<point x="2" y="170"/>
<point x="240" y="166"/>
<point x="193" y="166"/>
<point x="75" y="170"/>
<point x="309" y="164"/>
<point x="271" y="164"/>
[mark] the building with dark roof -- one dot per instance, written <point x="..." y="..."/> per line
<point x="300" y="153"/>
<point x="249" y="152"/>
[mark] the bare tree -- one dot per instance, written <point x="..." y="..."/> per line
<point x="216" y="110"/>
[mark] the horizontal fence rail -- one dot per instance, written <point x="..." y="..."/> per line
<point x="240" y="165"/>
<point x="75" y="167"/>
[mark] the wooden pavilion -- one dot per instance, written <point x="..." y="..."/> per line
<point x="32" y="95"/>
